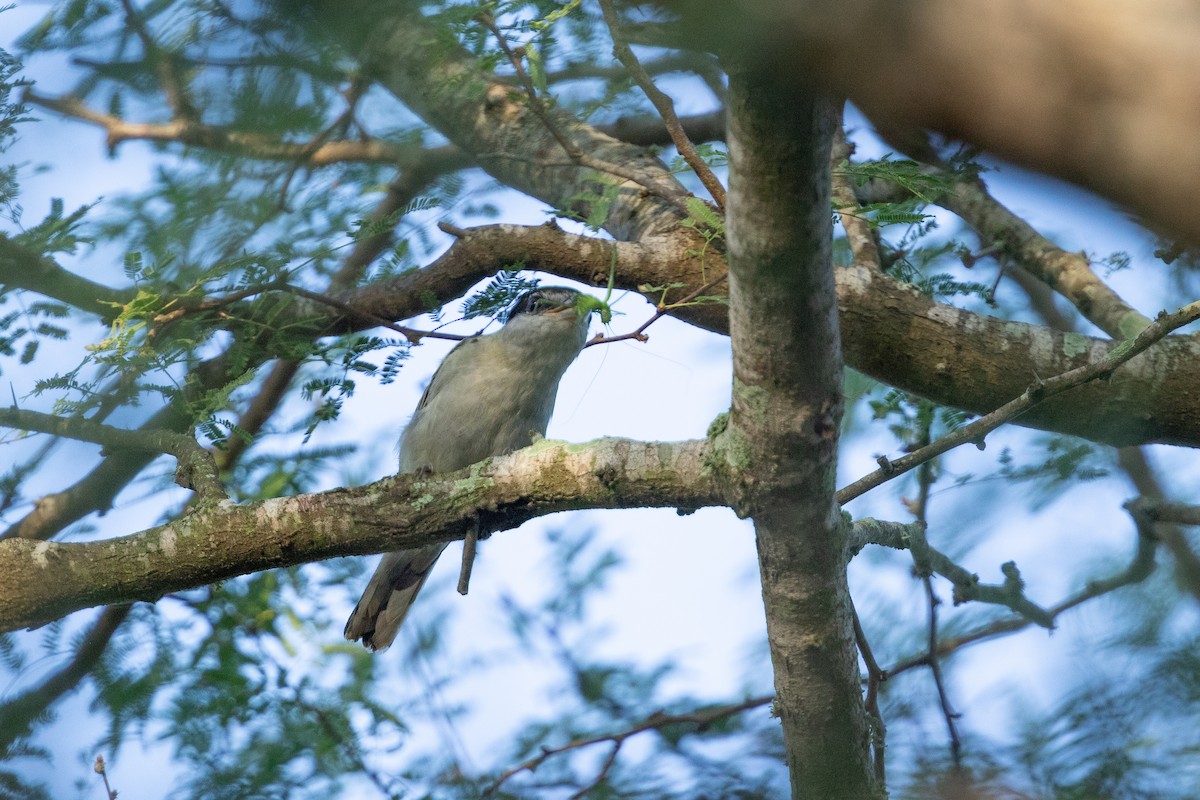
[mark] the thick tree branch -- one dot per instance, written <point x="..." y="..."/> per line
<point x="953" y="357"/>
<point x="890" y="331"/>
<point x="976" y="431"/>
<point x="42" y="581"/>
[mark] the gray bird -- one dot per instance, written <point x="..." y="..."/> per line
<point x="491" y="395"/>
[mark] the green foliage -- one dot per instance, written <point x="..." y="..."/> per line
<point x="920" y="259"/>
<point x="913" y="420"/>
<point x="1114" y="262"/>
<point x="714" y="155"/>
<point x="913" y="177"/>
<point x="499" y="294"/>
<point x="12" y="114"/>
<point x="591" y="206"/>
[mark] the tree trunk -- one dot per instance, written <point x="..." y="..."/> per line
<point x="779" y="451"/>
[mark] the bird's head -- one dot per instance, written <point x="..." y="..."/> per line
<point x="551" y="312"/>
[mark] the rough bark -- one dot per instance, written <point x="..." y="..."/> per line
<point x="778" y="454"/>
<point x="42" y="581"/>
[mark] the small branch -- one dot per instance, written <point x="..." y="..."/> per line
<point x="412" y="334"/>
<point x="1157" y="510"/>
<point x="967" y="587"/>
<point x="657" y="720"/>
<point x="196" y="468"/>
<point x="975" y="432"/>
<point x="662" y="102"/>
<point x="679" y="61"/>
<point x="921" y="556"/>
<point x="1163" y="519"/>
<point x="253" y="145"/>
<point x="1139" y="568"/>
<point x="22" y="268"/>
<point x="352" y="94"/>
<point x="875" y="676"/>
<point x="647" y="130"/>
<point x="602" y="774"/>
<point x="164" y="64"/>
<point x="100" y="770"/>
<point x="939" y="680"/>
<point x="1069" y="274"/>
<point x="470" y="542"/>
<point x="663" y="310"/>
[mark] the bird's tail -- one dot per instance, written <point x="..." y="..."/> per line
<point x="389" y="595"/>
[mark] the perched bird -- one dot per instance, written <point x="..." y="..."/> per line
<point x="491" y="395"/>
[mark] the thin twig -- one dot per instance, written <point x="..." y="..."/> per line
<point x="163" y="63"/>
<point x="1136" y="571"/>
<point x="925" y="480"/>
<point x="975" y="432"/>
<point x="602" y="774"/>
<point x="353" y="93"/>
<point x="253" y="145"/>
<point x="662" y="102"/>
<point x="663" y="310"/>
<point x="100" y="770"/>
<point x="875" y="676"/>
<point x="577" y="155"/>
<point x="935" y="668"/>
<point x="411" y="334"/>
<point x="19" y="712"/>
<point x="657" y="720"/>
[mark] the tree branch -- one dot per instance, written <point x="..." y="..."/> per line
<point x="656" y="721"/>
<point x="22" y="268"/>
<point x="1138" y="569"/>
<point x="448" y="88"/>
<point x="1069" y="274"/>
<point x="42" y="581"/>
<point x="246" y="143"/>
<point x="845" y="202"/>
<point x="975" y="432"/>
<point x="663" y="104"/>
<point x="196" y="470"/>
<point x="776" y="456"/>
